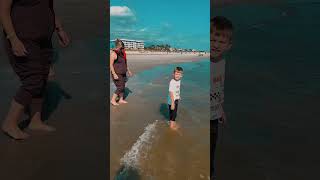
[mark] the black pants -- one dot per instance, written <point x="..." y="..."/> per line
<point x="173" y="113"/>
<point x="213" y="141"/>
<point x="32" y="71"/>
<point x="120" y="84"/>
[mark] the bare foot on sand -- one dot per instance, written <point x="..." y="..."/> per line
<point x="173" y="125"/>
<point x="123" y="102"/>
<point x="15" y="133"/>
<point x="41" y="126"/>
<point x="114" y="103"/>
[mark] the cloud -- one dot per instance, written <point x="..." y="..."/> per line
<point x="121" y="11"/>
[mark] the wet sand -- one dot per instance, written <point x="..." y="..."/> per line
<point x="78" y="150"/>
<point x="161" y="154"/>
<point x="79" y="147"/>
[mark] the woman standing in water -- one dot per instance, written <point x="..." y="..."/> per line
<point x="119" y="69"/>
<point x="28" y="27"/>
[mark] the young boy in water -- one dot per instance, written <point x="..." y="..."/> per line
<point x="220" y="42"/>
<point x="174" y="96"/>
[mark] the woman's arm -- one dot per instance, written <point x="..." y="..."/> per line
<point x="112" y="58"/>
<point x="64" y="38"/>
<point x="129" y="71"/>
<point x="6" y="21"/>
<point x="5" y="18"/>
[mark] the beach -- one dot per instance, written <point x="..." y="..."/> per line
<point x="142" y="145"/>
<point x="141" y="61"/>
<point x="79" y="147"/>
<point x="80" y="142"/>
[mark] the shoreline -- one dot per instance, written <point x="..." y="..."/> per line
<point x="140" y="62"/>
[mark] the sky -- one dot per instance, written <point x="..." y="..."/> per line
<point x="179" y="23"/>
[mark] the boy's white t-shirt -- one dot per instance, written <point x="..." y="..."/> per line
<point x="174" y="87"/>
<point x="217" y="88"/>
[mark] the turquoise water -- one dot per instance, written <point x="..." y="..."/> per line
<point x="195" y="86"/>
<point x="157" y="152"/>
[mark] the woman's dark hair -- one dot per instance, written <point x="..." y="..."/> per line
<point x="122" y="44"/>
<point x="118" y="43"/>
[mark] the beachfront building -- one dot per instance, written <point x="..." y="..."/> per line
<point x="130" y="44"/>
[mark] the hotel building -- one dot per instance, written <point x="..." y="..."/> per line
<point x="130" y="44"/>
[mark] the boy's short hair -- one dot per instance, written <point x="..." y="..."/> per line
<point x="221" y="23"/>
<point x="180" y="69"/>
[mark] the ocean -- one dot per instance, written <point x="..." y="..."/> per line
<point x="143" y="146"/>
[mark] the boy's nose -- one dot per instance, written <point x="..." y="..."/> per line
<point x="214" y="47"/>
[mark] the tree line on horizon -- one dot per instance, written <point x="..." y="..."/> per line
<point x="165" y="47"/>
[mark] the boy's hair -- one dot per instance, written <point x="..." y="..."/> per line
<point x="118" y="43"/>
<point x="221" y="23"/>
<point x="177" y="69"/>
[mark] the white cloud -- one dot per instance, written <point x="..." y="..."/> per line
<point x="120" y="11"/>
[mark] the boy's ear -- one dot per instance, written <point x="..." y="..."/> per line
<point x="230" y="45"/>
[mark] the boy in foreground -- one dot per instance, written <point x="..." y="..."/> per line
<point x="220" y="42"/>
<point x="174" y="96"/>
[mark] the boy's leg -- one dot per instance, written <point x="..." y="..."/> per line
<point x="173" y="115"/>
<point x="175" y="112"/>
<point x="213" y="142"/>
<point x="170" y="115"/>
<point x="176" y="102"/>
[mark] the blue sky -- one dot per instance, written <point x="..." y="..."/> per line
<point x="180" y="23"/>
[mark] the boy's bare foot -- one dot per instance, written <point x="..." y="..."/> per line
<point x="114" y="103"/>
<point x="15" y="133"/>
<point x="173" y="125"/>
<point x="41" y="126"/>
<point x="123" y="102"/>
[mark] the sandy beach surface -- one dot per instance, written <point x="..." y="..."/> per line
<point x="139" y="62"/>
<point x="151" y="149"/>
<point x="79" y="149"/>
<point x="75" y="105"/>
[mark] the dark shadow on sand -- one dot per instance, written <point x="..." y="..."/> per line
<point x="127" y="92"/>
<point x="125" y="173"/>
<point x="164" y="111"/>
<point x="52" y="99"/>
<point x="55" y="94"/>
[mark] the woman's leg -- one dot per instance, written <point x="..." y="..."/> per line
<point x="41" y="72"/>
<point x="113" y="99"/>
<point x="10" y="124"/>
<point x="115" y="95"/>
<point x="122" y="89"/>
<point x="35" y="114"/>
<point x="22" y="98"/>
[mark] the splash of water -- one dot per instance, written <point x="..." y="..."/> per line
<point x="140" y="147"/>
